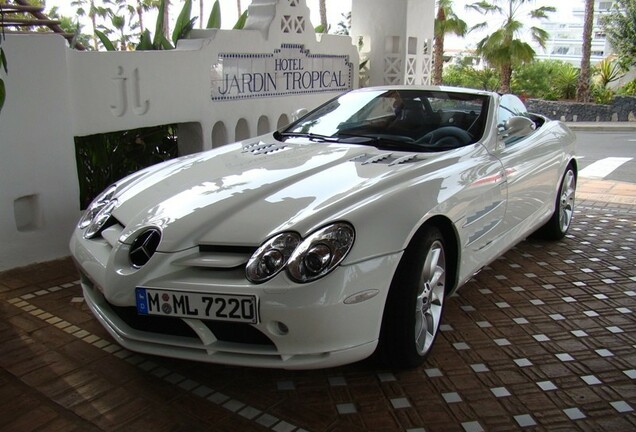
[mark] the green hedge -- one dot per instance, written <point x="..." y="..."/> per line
<point x="105" y="158"/>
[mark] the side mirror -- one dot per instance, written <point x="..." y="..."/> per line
<point x="517" y="126"/>
<point x="298" y="114"/>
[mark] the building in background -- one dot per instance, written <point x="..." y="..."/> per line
<point x="566" y="34"/>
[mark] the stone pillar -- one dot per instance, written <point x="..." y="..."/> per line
<point x="396" y="39"/>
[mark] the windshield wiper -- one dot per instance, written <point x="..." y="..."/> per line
<point x="340" y="138"/>
<point x="384" y="141"/>
<point x="310" y="136"/>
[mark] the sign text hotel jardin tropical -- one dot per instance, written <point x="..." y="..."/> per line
<point x="289" y="70"/>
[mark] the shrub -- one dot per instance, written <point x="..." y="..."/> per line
<point x="601" y="95"/>
<point x="466" y="76"/>
<point x="103" y="159"/>
<point x="628" y="89"/>
<point x="545" y="79"/>
<point x="607" y="71"/>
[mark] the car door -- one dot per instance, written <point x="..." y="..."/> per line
<point x="482" y="206"/>
<point x="531" y="168"/>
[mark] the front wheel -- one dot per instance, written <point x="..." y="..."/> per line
<point x="557" y="227"/>
<point x="413" y="313"/>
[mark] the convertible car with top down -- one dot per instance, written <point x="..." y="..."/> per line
<point x="336" y="237"/>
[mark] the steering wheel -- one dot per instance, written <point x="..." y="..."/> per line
<point x="447" y="136"/>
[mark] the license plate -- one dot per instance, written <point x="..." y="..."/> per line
<point x="222" y="307"/>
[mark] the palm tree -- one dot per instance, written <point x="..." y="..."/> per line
<point x="583" y="86"/>
<point x="446" y="22"/>
<point x="87" y="7"/>
<point x="503" y="49"/>
<point x="238" y="7"/>
<point x="121" y="20"/>
<point x="142" y="7"/>
<point x="323" y="15"/>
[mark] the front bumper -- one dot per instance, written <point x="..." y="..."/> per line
<point x="302" y="326"/>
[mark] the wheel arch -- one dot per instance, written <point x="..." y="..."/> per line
<point x="393" y="317"/>
<point x="451" y="240"/>
<point x="453" y="251"/>
<point x="575" y="166"/>
<point x="572" y="162"/>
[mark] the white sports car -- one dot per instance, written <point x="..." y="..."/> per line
<point x="330" y="239"/>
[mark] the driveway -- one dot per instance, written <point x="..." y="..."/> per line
<point x="544" y="339"/>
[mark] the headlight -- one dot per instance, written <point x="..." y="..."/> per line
<point x="271" y="257"/>
<point x="100" y="219"/>
<point x="95" y="208"/>
<point x="321" y="252"/>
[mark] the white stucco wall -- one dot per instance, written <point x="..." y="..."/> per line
<point x="55" y="94"/>
<point x="386" y="27"/>
<point x="37" y="161"/>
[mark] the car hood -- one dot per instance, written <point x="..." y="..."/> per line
<point x="243" y="193"/>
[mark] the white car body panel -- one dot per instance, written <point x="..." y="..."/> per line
<point x="236" y="197"/>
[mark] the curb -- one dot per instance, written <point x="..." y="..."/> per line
<point x="602" y="126"/>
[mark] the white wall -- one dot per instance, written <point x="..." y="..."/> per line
<point x="381" y="23"/>
<point x="37" y="154"/>
<point x="55" y="94"/>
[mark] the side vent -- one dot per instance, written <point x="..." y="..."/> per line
<point x="385" y="159"/>
<point x="263" y="148"/>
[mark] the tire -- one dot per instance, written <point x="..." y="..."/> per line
<point x="557" y="227"/>
<point x="415" y="304"/>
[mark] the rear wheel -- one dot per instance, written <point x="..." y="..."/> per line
<point x="415" y="305"/>
<point x="559" y="224"/>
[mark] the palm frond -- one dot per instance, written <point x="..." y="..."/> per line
<point x="479" y="26"/>
<point x="484" y="7"/>
<point x="539" y="35"/>
<point x="542" y="12"/>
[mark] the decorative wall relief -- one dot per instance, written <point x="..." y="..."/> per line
<point x="121" y="82"/>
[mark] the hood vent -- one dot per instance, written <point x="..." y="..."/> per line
<point x="385" y="158"/>
<point x="263" y="148"/>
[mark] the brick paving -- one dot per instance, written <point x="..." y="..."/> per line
<point x="542" y="339"/>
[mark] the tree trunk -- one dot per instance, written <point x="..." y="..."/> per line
<point x="94" y="24"/>
<point x="201" y="14"/>
<point x="438" y="60"/>
<point x="238" y="7"/>
<point x="506" y="75"/>
<point x="438" y="48"/>
<point x="140" y="14"/>
<point x="166" y="20"/>
<point x="323" y="15"/>
<point x="583" y="86"/>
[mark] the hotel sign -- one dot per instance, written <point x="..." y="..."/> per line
<point x="289" y="70"/>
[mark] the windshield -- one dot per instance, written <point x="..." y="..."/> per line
<point x="425" y="120"/>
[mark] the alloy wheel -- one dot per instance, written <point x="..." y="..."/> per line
<point x="430" y="298"/>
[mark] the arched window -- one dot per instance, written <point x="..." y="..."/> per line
<point x="219" y="134"/>
<point x="242" y="130"/>
<point x="283" y="120"/>
<point x="263" y="125"/>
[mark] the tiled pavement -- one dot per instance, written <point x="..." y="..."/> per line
<point x="543" y="339"/>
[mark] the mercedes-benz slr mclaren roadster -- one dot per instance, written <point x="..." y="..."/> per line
<point x="336" y="237"/>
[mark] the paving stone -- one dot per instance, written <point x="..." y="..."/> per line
<point x="542" y="338"/>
